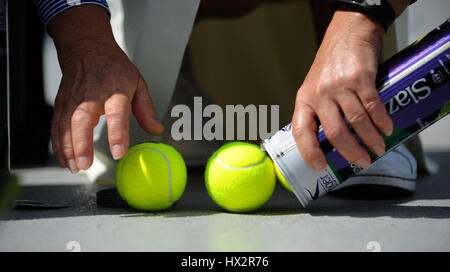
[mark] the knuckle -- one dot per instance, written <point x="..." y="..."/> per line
<point x="300" y="92"/>
<point x="353" y="75"/>
<point x="297" y="132"/>
<point x="67" y="150"/>
<point x="80" y="148"/>
<point x="117" y="136"/>
<point x="308" y="154"/>
<point x="117" y="125"/>
<point x="80" y="117"/>
<point x="325" y="86"/>
<point x="334" y="132"/>
<point x="118" y="110"/>
<point x="374" y="145"/>
<point x="357" y="118"/>
<point x="370" y="73"/>
<point x="371" y="106"/>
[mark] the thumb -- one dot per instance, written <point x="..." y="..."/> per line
<point x="144" y="110"/>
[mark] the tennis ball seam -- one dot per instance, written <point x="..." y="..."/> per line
<point x="240" y="167"/>
<point x="238" y="185"/>
<point x="165" y="158"/>
<point x="219" y="202"/>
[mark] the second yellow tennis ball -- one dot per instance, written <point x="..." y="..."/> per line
<point x="240" y="177"/>
<point x="151" y="176"/>
<point x="281" y="178"/>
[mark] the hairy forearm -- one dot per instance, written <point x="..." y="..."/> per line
<point x="73" y="29"/>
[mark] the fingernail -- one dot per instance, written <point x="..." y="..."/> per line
<point x="387" y="131"/>
<point x="117" y="151"/>
<point x="363" y="163"/>
<point x="158" y="126"/>
<point x="72" y="166"/>
<point x="379" y="150"/>
<point x="319" y="165"/>
<point x="82" y="163"/>
<point x="62" y="163"/>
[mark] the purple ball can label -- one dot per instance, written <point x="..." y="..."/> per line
<point x="414" y="86"/>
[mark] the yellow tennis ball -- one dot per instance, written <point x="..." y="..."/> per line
<point x="281" y="178"/>
<point x="151" y="176"/>
<point x="240" y="177"/>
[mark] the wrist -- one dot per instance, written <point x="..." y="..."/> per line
<point x="83" y="47"/>
<point x="358" y="24"/>
<point x="381" y="11"/>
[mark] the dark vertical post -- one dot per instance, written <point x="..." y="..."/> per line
<point x="4" y="92"/>
<point x="8" y="183"/>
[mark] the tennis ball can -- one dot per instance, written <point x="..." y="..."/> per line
<point x="414" y="86"/>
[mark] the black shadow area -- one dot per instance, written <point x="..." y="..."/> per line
<point x="435" y="187"/>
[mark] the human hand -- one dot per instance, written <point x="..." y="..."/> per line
<point x="342" y="79"/>
<point x="98" y="78"/>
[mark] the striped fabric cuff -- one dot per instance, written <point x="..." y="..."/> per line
<point x="50" y="8"/>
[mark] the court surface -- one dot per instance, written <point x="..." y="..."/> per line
<point x="417" y="223"/>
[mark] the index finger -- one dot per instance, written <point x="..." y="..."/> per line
<point x="117" y="112"/>
<point x="304" y="130"/>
